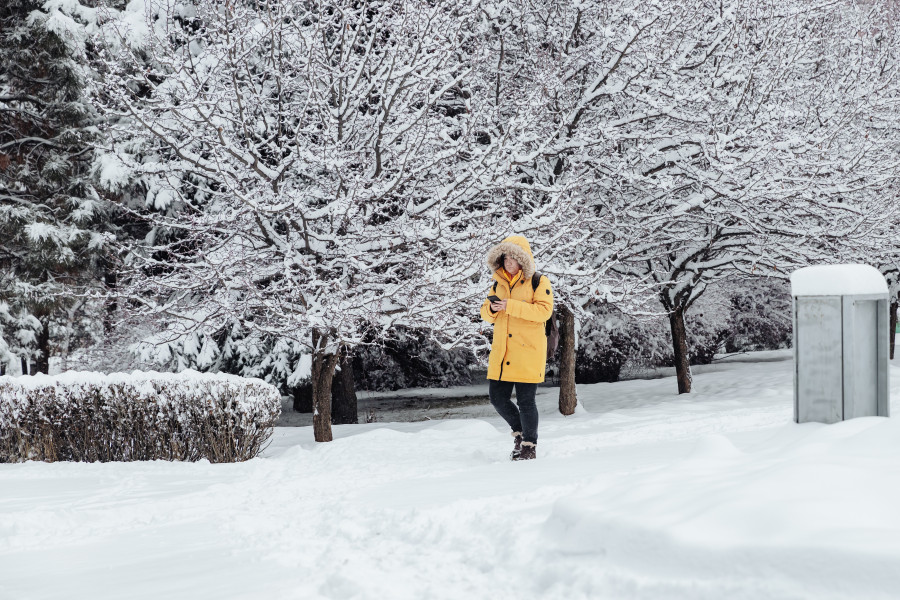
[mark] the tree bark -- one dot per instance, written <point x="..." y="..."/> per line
<point x="42" y="361"/>
<point x="893" y="321"/>
<point x="567" y="396"/>
<point x="343" y="392"/>
<point x="679" y="346"/>
<point x="323" y="364"/>
<point x="110" y="278"/>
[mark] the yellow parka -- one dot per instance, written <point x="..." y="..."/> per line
<point x="519" y="349"/>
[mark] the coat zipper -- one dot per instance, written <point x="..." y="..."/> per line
<point x="503" y="360"/>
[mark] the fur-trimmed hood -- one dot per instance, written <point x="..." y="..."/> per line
<point x="517" y="247"/>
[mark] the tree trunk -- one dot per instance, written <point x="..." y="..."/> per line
<point x="110" y="279"/>
<point x="567" y="397"/>
<point x="24" y="362"/>
<point x="679" y="346"/>
<point x="42" y="362"/>
<point x="893" y="320"/>
<point x="323" y="364"/>
<point x="343" y="392"/>
<point x="303" y="399"/>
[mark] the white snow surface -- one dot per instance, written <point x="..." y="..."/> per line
<point x="828" y="280"/>
<point x="640" y="494"/>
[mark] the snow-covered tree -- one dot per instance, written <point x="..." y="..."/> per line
<point x="319" y="171"/>
<point x="51" y="216"/>
<point x="691" y="141"/>
<point x="752" y="161"/>
<point x="309" y="167"/>
<point x="562" y="79"/>
<point x="781" y="179"/>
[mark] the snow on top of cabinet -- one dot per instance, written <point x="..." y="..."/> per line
<point x="837" y="280"/>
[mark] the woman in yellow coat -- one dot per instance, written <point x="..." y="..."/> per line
<point x="519" y="349"/>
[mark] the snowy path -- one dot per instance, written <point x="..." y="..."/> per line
<point x="641" y="494"/>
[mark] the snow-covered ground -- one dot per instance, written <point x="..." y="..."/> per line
<point x="640" y="494"/>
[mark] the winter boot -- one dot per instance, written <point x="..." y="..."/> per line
<point x="528" y="452"/>
<point x="517" y="446"/>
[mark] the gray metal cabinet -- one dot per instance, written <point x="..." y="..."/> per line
<point x="840" y="350"/>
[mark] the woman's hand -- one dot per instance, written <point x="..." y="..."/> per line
<point x="498" y="306"/>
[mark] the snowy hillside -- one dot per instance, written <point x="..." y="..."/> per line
<point x="640" y="494"/>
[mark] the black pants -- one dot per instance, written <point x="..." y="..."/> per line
<point x="523" y="418"/>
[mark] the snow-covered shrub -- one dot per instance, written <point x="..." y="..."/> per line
<point x="234" y="349"/>
<point x="606" y="342"/>
<point x="708" y="323"/>
<point x="411" y="359"/>
<point x="761" y="316"/>
<point x="705" y="340"/>
<point x="90" y="417"/>
<point x="613" y="339"/>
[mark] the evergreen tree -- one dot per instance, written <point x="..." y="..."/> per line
<point x="49" y="210"/>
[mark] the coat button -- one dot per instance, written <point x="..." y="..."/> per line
<point x="507" y="362"/>
<point x="510" y="335"/>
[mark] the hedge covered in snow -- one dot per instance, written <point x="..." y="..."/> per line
<point x="91" y="417"/>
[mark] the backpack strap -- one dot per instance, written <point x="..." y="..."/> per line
<point x="535" y="281"/>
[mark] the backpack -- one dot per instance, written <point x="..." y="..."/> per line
<point x="551" y="328"/>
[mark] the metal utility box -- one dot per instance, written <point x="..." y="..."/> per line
<point x="841" y="331"/>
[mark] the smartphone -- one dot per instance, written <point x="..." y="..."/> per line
<point x="494" y="298"/>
